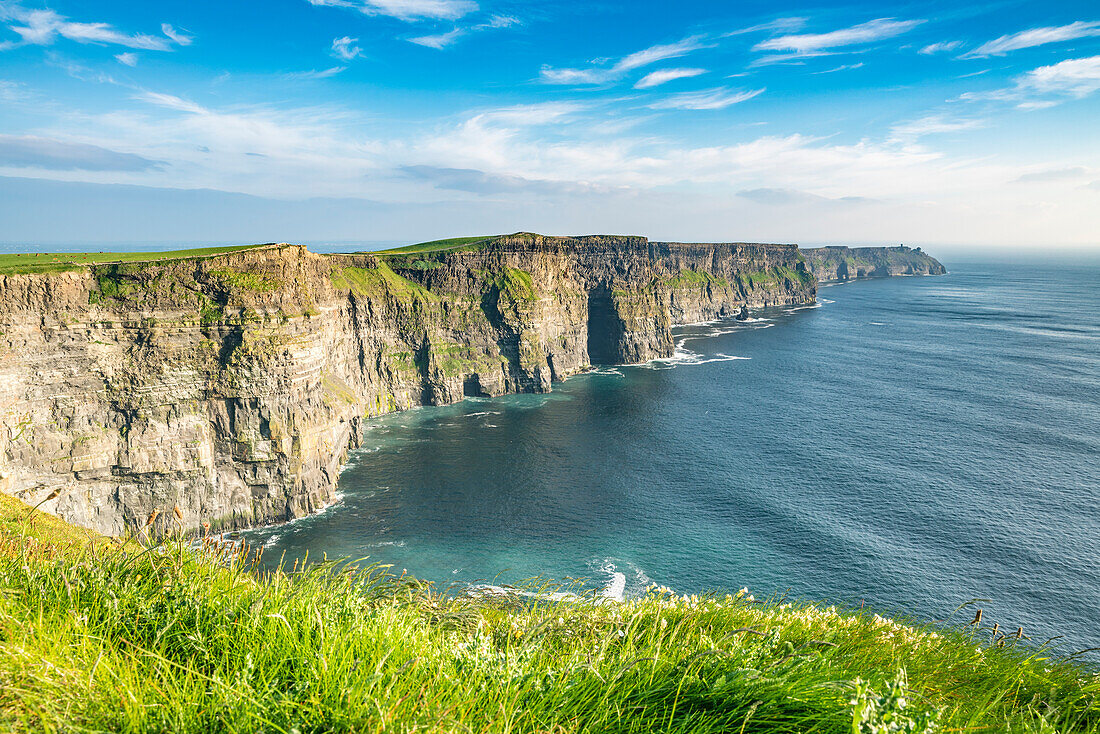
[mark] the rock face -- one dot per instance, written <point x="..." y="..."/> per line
<point x="233" y="386"/>
<point x="838" y="264"/>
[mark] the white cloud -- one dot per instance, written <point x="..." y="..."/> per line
<point x="781" y="25"/>
<point x="10" y="91"/>
<point x="407" y="10"/>
<point x="1035" y="37"/>
<point x="791" y="59"/>
<point x="43" y="27"/>
<point x="515" y="157"/>
<point x="527" y="115"/>
<point x="941" y="47"/>
<point x="932" y="125"/>
<point x="636" y="60"/>
<point x="500" y="21"/>
<point x="844" y="67"/>
<point x="345" y="48"/>
<point x="315" y="73"/>
<point x="439" y="40"/>
<point x="874" y="30"/>
<point x="1048" y="86"/>
<point x="662" y="76"/>
<point x="128" y="58"/>
<point x="1072" y="77"/>
<point x="175" y="35"/>
<point x="708" y="99"/>
<point x="172" y="102"/>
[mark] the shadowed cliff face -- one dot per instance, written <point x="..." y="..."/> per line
<point x="838" y="264"/>
<point x="232" y="386"/>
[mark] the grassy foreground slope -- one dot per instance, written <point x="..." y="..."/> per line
<point x="96" y="635"/>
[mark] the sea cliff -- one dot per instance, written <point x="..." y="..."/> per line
<point x="229" y="388"/>
<point x="838" y="264"/>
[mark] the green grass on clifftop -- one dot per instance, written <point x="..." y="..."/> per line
<point x="46" y="262"/>
<point x="175" y="639"/>
<point x="454" y="243"/>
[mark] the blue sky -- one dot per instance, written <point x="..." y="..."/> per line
<point x="384" y="120"/>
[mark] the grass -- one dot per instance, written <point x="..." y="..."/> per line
<point x="380" y="280"/>
<point x="454" y="243"/>
<point x="58" y="262"/>
<point x="170" y="637"/>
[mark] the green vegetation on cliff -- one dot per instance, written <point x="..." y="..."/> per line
<point x="454" y="243"/>
<point x="379" y="281"/>
<point x="96" y="635"/>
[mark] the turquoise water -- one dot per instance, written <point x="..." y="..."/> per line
<point x="912" y="444"/>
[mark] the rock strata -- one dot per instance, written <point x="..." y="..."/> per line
<point x="231" y="387"/>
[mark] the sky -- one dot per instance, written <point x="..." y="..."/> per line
<point x="928" y="123"/>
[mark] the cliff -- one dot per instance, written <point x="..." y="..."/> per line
<point x="833" y="264"/>
<point x="231" y="386"/>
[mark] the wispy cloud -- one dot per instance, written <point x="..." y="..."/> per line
<point x="662" y="76"/>
<point x="407" y="10"/>
<point x="911" y="130"/>
<point x="942" y="47"/>
<point x="345" y="48"/>
<point x="34" y="152"/>
<point x="179" y="38"/>
<point x="439" y="40"/>
<point x="1034" y="37"/>
<point x="708" y="99"/>
<point x="315" y="73"/>
<point x="44" y="27"/>
<point x="128" y="58"/>
<point x="779" y="25"/>
<point x="636" y="60"/>
<point x="845" y="67"/>
<point x="171" y="102"/>
<point x="444" y="40"/>
<point x="869" y="32"/>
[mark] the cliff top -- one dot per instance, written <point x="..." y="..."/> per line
<point x="70" y="261"/>
<point x="45" y="262"/>
<point x="534" y="239"/>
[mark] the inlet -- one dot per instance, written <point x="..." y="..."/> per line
<point x="605" y="328"/>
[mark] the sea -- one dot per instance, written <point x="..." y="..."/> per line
<point x="908" y="444"/>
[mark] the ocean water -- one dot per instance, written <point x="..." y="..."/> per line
<point x="910" y="444"/>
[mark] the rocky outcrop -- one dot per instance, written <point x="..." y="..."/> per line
<point x="231" y="387"/>
<point x="838" y="264"/>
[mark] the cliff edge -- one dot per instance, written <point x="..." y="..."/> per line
<point x="231" y="386"/>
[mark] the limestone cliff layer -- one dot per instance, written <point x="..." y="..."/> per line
<point x="838" y="264"/>
<point x="231" y="387"/>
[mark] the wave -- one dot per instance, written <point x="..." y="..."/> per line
<point x="809" y="307"/>
<point x="605" y="371"/>
<point x="682" y="356"/>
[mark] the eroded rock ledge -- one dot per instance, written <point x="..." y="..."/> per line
<point x="233" y="386"/>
